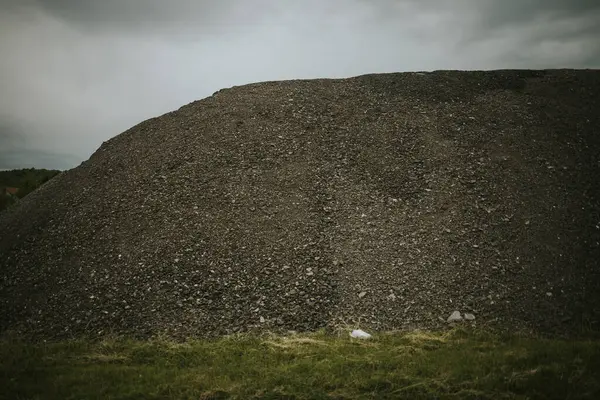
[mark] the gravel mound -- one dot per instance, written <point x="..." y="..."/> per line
<point x="384" y="201"/>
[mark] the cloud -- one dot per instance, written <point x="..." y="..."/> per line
<point x="194" y="18"/>
<point x="518" y="12"/>
<point x="17" y="151"/>
<point x="75" y="73"/>
<point x="17" y="159"/>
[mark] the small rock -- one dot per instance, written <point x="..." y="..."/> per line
<point x="454" y="317"/>
<point x="549" y="294"/>
<point x="362" y="294"/>
<point x="469" y="317"/>
<point x="392" y="296"/>
<point x="262" y="320"/>
<point x="360" y="334"/>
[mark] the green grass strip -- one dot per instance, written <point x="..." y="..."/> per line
<point x="451" y="365"/>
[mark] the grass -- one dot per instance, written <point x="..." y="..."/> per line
<point x="457" y="364"/>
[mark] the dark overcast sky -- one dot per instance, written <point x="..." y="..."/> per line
<point x="74" y="73"/>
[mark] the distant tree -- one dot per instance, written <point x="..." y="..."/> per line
<point x="28" y="184"/>
<point x="6" y="201"/>
<point x="26" y="180"/>
<point x="29" y="177"/>
<point x="3" y="201"/>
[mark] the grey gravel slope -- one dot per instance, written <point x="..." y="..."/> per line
<point x="385" y="200"/>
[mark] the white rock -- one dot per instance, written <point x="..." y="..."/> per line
<point x="360" y="334"/>
<point x="469" y="317"/>
<point x="362" y="294"/>
<point x="454" y="317"/>
<point x="262" y="320"/>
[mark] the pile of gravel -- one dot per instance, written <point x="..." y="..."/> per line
<point x="383" y="201"/>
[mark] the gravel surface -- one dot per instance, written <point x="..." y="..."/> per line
<point x="384" y="201"/>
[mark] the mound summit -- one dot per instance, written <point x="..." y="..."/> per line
<point x="386" y="201"/>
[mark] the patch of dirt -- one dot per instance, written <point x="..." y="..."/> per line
<point x="385" y="200"/>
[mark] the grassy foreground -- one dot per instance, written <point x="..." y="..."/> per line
<point x="456" y="364"/>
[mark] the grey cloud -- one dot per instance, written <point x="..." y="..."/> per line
<point x="19" y="150"/>
<point x="10" y="135"/>
<point x="166" y="17"/>
<point x="24" y="158"/>
<point x="482" y="18"/>
<point x="513" y="12"/>
<point x="501" y="12"/>
<point x="157" y="17"/>
<point x="539" y="32"/>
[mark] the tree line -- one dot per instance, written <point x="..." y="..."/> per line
<point x="25" y="180"/>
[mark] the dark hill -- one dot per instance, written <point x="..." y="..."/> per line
<point x="385" y="200"/>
